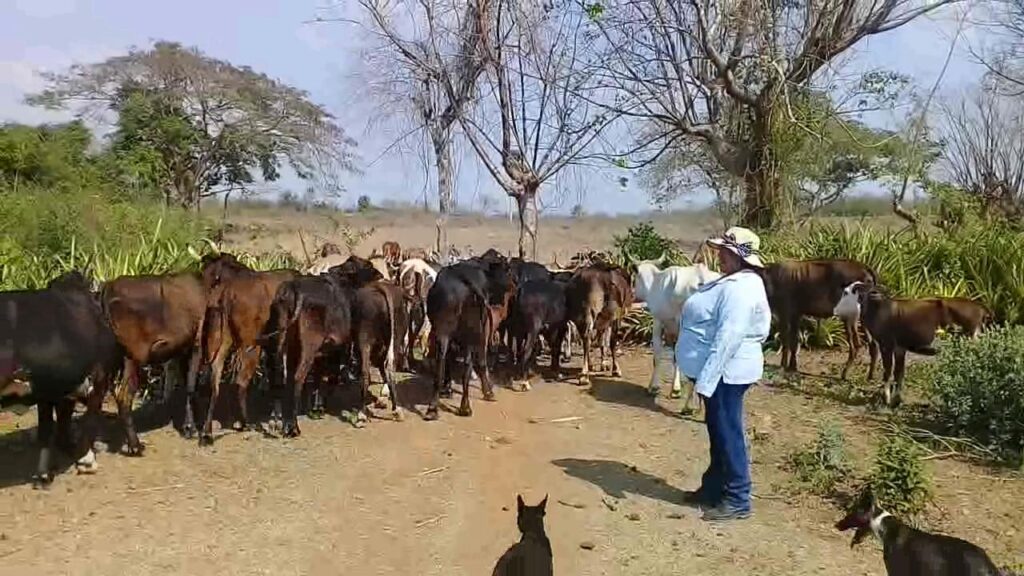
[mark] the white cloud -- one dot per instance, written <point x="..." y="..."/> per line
<point x="20" y="77"/>
<point x="45" y="8"/>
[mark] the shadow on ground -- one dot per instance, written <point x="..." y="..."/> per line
<point x="627" y="394"/>
<point x="618" y="479"/>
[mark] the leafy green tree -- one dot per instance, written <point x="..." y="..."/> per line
<point x="48" y="155"/>
<point x="196" y="126"/>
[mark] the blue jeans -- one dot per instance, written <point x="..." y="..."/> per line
<point x="727" y="479"/>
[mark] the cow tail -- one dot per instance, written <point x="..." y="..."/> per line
<point x="389" y="359"/>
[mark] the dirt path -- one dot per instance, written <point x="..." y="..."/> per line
<point x="439" y="497"/>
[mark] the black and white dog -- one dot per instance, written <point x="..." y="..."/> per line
<point x="911" y="552"/>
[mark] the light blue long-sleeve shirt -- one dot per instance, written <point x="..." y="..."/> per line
<point x="722" y="328"/>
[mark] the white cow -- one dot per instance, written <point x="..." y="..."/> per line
<point x="665" y="292"/>
<point x="416" y="276"/>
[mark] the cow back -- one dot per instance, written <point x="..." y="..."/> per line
<point x="58" y="335"/>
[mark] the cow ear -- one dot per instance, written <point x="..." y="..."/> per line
<point x="519" y="503"/>
<point x="543" y="504"/>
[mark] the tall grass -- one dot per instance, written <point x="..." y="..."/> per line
<point x="49" y="233"/>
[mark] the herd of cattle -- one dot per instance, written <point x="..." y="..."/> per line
<point x="348" y="316"/>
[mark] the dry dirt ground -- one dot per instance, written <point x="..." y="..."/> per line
<point x="418" y="497"/>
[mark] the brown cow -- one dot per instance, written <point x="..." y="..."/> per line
<point x="598" y="296"/>
<point x="311" y="321"/>
<point x="381" y="319"/>
<point x="156" y="319"/>
<point x="897" y="326"/>
<point x="798" y="288"/>
<point x="237" y="310"/>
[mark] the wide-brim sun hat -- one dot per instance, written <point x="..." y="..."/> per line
<point x="741" y="242"/>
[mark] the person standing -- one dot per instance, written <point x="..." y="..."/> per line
<point x="722" y="329"/>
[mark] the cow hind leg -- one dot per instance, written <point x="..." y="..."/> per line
<point x="44" y="468"/>
<point x="654" y="388"/>
<point x="441" y="344"/>
<point x="586" y="336"/>
<point x="216" y="374"/>
<point x="900" y="362"/>
<point x="86" y="463"/>
<point x="247" y="365"/>
<point x="293" y="396"/>
<point x="613" y="348"/>
<point x="125" y="397"/>
<point x="853" y="341"/>
<point x="465" y="409"/>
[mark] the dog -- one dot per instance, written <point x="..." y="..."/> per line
<point x="531" y="556"/>
<point x="911" y="552"/>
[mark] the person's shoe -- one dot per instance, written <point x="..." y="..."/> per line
<point x="696" y="499"/>
<point x="723" y="513"/>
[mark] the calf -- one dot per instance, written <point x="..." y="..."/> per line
<point x="392" y="253"/>
<point x="155" y="319"/>
<point x="310" y="320"/>
<point x="911" y="552"/>
<point x="238" y="307"/>
<point x="465" y="306"/>
<point x="381" y="318"/>
<point x="597" y="298"/>
<point x="416" y="276"/>
<point x="665" y="292"/>
<point x="900" y="325"/>
<point x="799" y="288"/>
<point x="539" y="307"/>
<point x="55" y="338"/>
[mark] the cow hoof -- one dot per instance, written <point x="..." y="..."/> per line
<point x="291" y="431"/>
<point x="432" y="414"/>
<point x="616" y="372"/>
<point x="584" y="381"/>
<point x="398" y="414"/>
<point x="42" y="481"/>
<point x="87" y="464"/>
<point x="465" y="411"/>
<point x="188" y="432"/>
<point x="136" y="450"/>
<point x="206" y="439"/>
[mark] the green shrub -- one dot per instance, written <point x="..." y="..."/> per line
<point x="823" y="464"/>
<point x="643" y="242"/>
<point x="977" y="389"/>
<point x="898" y="478"/>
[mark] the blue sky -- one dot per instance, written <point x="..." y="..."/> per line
<point x="323" y="59"/>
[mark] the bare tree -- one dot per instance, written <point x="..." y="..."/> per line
<point x="427" y="62"/>
<point x="682" y="63"/>
<point x="540" y="61"/>
<point x="984" y="149"/>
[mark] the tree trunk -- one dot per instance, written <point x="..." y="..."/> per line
<point x="527" y="204"/>
<point x="445" y="187"/>
<point x="762" y="178"/>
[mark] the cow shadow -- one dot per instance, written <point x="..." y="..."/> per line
<point x="617" y="479"/>
<point x="626" y="393"/>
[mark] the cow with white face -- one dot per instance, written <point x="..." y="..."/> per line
<point x="665" y="292"/>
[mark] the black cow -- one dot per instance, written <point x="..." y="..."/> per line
<point x="539" y="308"/>
<point x="55" y="338"/>
<point x="465" y="306"/>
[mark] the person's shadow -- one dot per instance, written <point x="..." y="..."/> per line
<point x="618" y="479"/>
